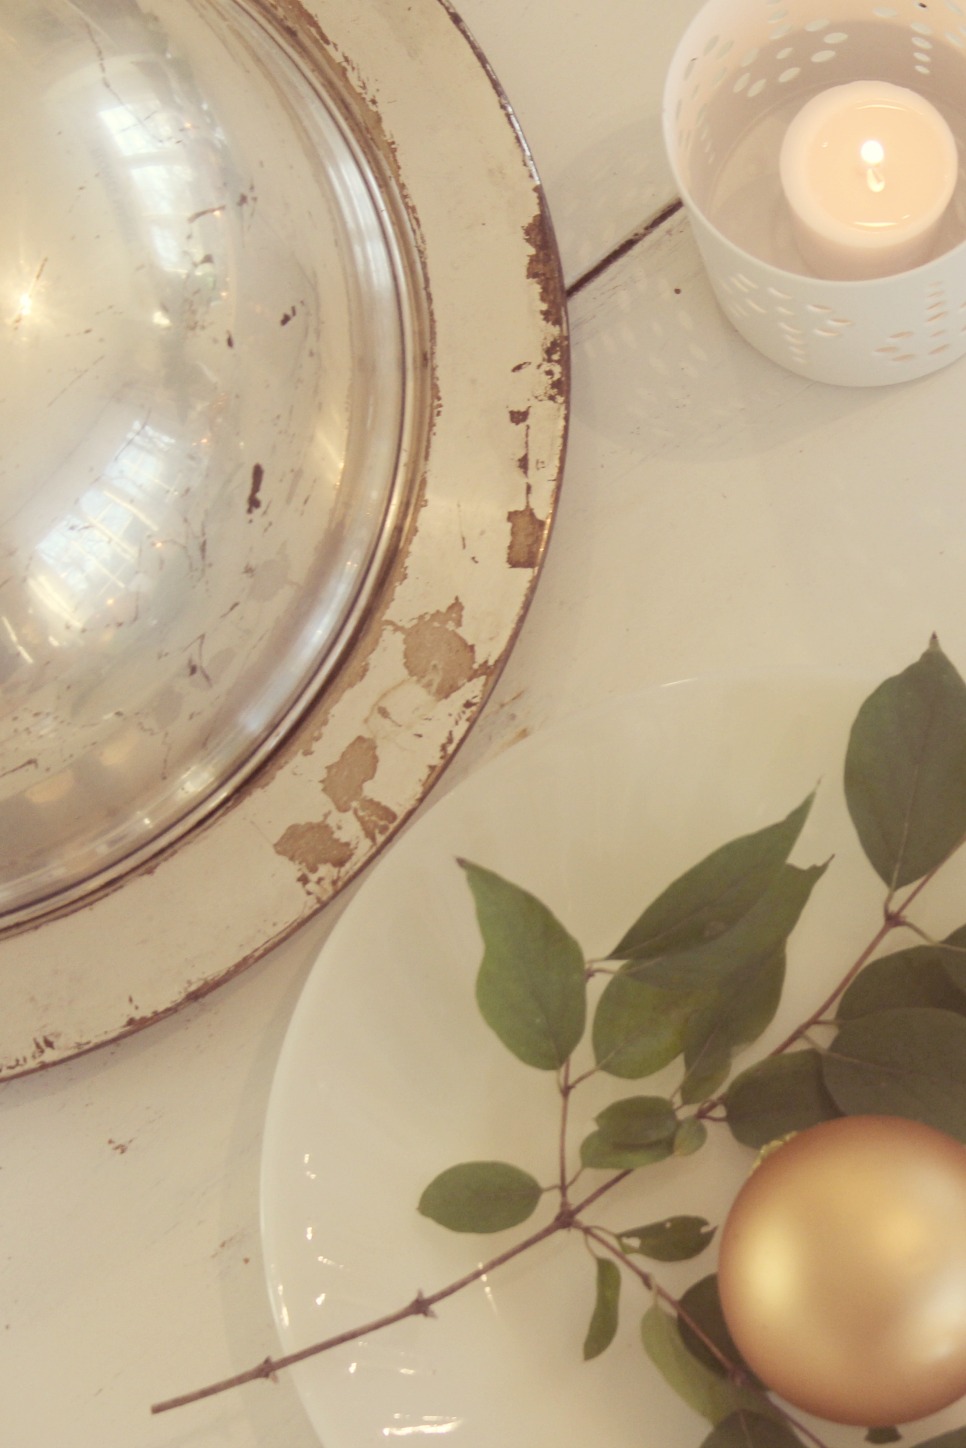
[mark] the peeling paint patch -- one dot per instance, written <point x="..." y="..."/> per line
<point x="555" y="369"/>
<point x="346" y="779"/>
<point x="543" y="268"/>
<point x="345" y="783"/>
<point x="375" y="819"/>
<point x="254" y="501"/>
<point x="436" y="656"/>
<point x="521" y="419"/>
<point x="526" y="538"/>
<point x="314" y="846"/>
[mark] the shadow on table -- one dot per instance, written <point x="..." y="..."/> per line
<point x="658" y="367"/>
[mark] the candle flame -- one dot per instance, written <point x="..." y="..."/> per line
<point x="873" y="154"/>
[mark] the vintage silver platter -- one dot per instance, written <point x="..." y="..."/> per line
<point x="284" y="394"/>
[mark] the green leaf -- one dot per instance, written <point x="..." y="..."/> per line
<point x="531" y="987"/>
<point x="717" y="997"/>
<point x="480" y="1196"/>
<point x="909" y="1062"/>
<point x="737" y="1016"/>
<point x="638" y="1121"/>
<point x="638" y="1029"/>
<point x="954" y="961"/>
<point x="631" y="1133"/>
<point x="603" y="1322"/>
<point x="905" y="770"/>
<point x="676" y="1239"/>
<point x="690" y="1137"/>
<point x="714" y="1397"/>
<point x="599" y="1154"/>
<point x="883" y="1435"/>
<point x="921" y="975"/>
<point x="714" y="895"/>
<point x="758" y="935"/>
<point x="751" y="1430"/>
<point x="776" y="1096"/>
<point x="748" y="982"/>
<point x="701" y="1305"/>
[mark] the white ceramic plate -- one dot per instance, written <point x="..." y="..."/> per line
<point x="389" y="1075"/>
<point x="486" y="459"/>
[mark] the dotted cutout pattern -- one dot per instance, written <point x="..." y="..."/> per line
<point x="791" y="55"/>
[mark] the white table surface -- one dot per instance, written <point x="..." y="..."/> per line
<point x="718" y="516"/>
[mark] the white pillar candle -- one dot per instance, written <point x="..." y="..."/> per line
<point x="868" y="170"/>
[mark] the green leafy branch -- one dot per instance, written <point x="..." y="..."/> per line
<point x="698" y="977"/>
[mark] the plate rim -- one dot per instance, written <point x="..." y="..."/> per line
<point x="844" y="694"/>
<point x="354" y="770"/>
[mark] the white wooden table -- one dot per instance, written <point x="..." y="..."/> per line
<point x="719" y="516"/>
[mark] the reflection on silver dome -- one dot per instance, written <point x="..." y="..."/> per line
<point x="206" y="334"/>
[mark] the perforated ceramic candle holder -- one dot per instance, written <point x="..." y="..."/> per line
<point x="742" y="71"/>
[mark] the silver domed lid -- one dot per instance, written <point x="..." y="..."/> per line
<point x="286" y="392"/>
<point x="207" y="328"/>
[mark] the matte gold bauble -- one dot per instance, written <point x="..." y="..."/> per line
<point x="843" y="1270"/>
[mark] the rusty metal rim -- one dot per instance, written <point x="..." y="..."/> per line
<point x="428" y="652"/>
<point x="402" y="499"/>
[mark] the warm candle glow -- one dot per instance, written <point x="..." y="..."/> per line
<point x="873" y="154"/>
<point x="843" y="1270"/>
<point x="868" y="170"/>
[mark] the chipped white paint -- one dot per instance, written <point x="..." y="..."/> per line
<point x="433" y="639"/>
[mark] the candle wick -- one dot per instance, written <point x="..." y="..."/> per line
<point x="875" y="178"/>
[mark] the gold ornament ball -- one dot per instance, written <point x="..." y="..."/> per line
<point x="843" y="1270"/>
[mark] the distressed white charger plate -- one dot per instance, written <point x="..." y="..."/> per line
<point x="388" y="1074"/>
<point x="487" y="453"/>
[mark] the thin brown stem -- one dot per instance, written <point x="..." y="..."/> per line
<point x="565" y="1093"/>
<point x="889" y="924"/>
<point x="920" y="885"/>
<point x="422" y="1305"/>
<point x="735" y="1372"/>
<point x="604" y="1240"/>
<point x="568" y="1216"/>
<point x="894" y="919"/>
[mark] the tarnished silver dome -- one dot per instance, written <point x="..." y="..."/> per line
<point x="207" y="329"/>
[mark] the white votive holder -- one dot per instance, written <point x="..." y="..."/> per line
<point x="742" y="73"/>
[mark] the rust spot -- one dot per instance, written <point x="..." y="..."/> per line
<point x="555" y="368"/>
<point x="119" y="1146"/>
<point x="351" y="772"/>
<point x="436" y="656"/>
<point x="254" y="500"/>
<point x="375" y="818"/>
<point x="521" y="418"/>
<point x="526" y="538"/>
<point x="543" y="267"/>
<point x="345" y="783"/>
<point x="313" y="846"/>
<point x="287" y="317"/>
